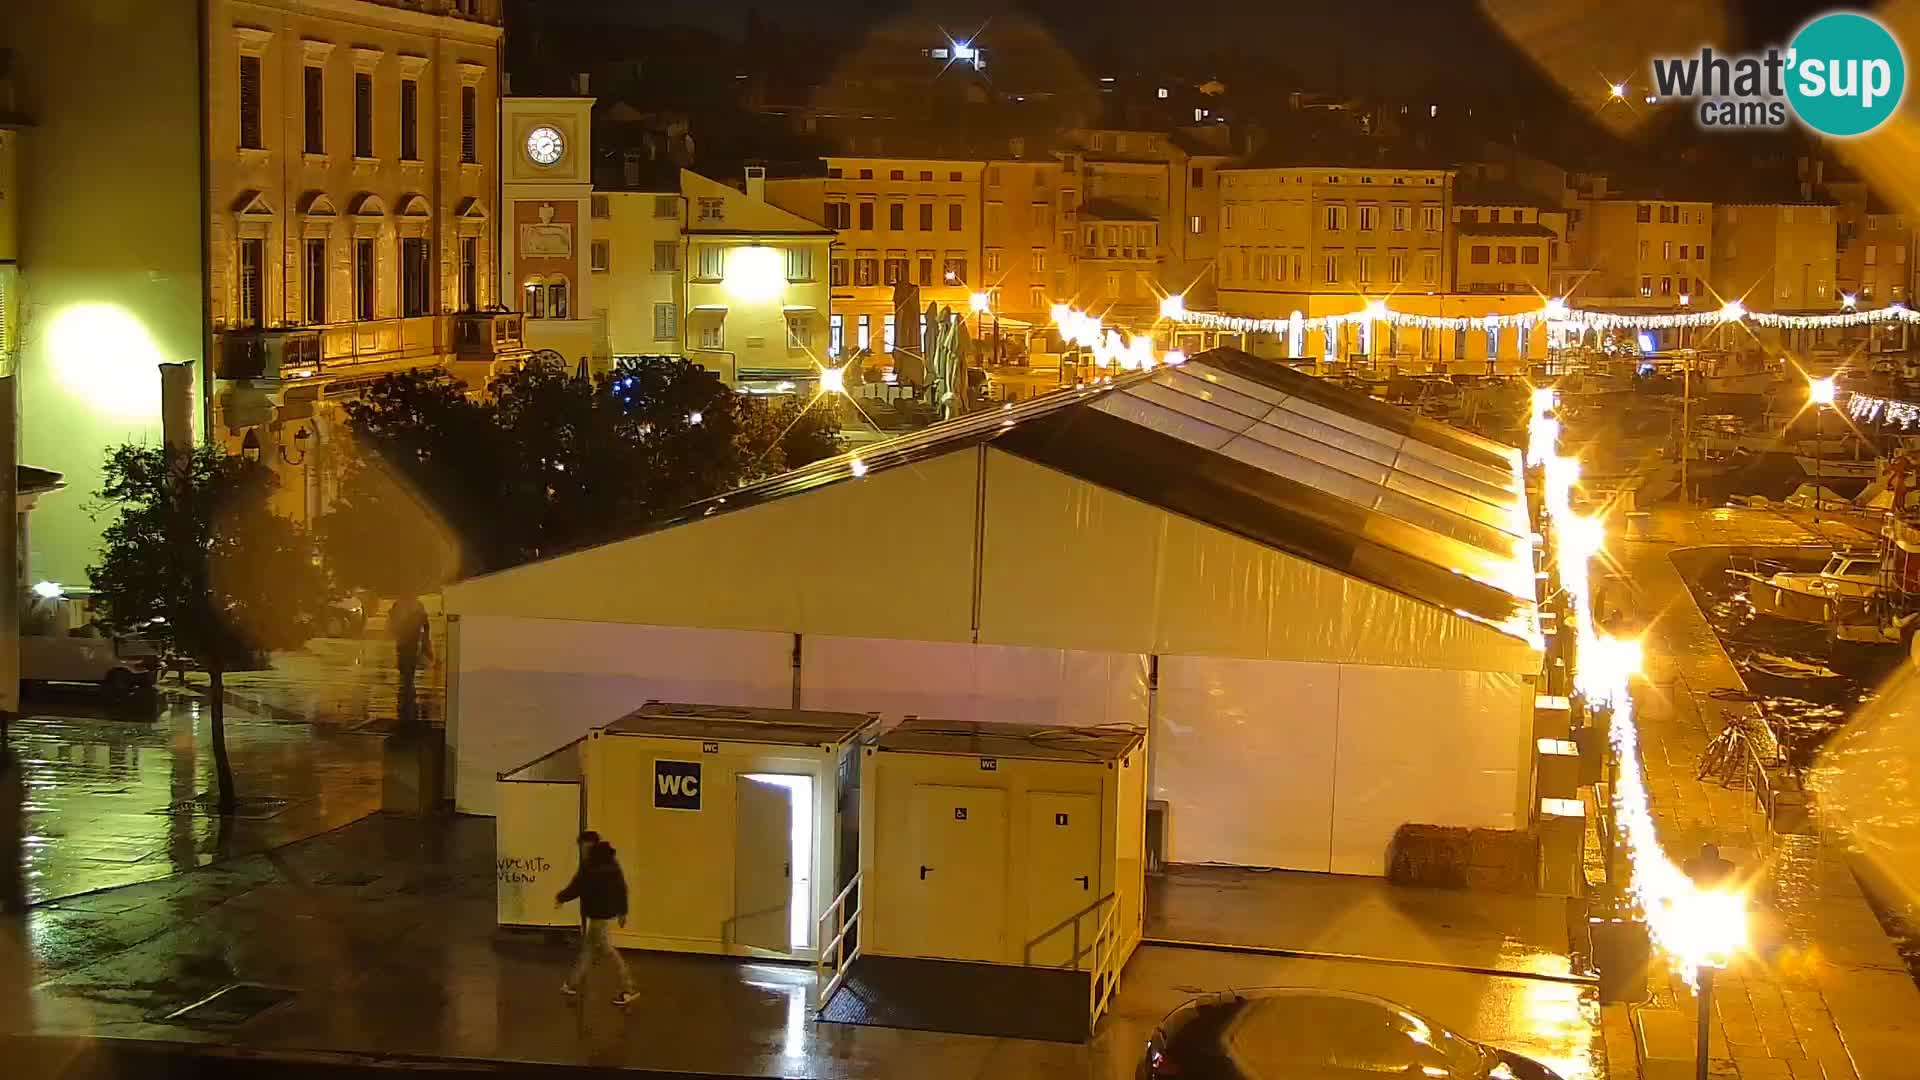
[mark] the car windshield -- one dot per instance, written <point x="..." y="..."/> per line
<point x="1269" y="1035"/>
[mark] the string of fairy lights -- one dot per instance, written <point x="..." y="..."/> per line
<point x="1555" y="313"/>
<point x="1698" y="928"/>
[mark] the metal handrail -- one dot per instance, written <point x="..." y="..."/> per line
<point x="1072" y="920"/>
<point x="834" y="945"/>
<point x="1101" y="979"/>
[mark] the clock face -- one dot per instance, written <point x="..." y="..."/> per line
<point x="544" y="145"/>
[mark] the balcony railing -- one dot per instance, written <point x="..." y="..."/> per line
<point x="1102" y="252"/>
<point x="296" y="352"/>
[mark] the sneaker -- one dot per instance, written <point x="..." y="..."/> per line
<point x="567" y="989"/>
<point x="627" y="998"/>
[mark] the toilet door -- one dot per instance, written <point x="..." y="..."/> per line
<point x="763" y="870"/>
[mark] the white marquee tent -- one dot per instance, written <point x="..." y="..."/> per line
<point x="1319" y="605"/>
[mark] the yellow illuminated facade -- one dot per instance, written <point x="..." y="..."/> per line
<point x="1778" y="257"/>
<point x="352" y="174"/>
<point x="717" y="274"/>
<point x="1330" y="240"/>
<point x="101" y="255"/>
<point x="895" y="219"/>
<point x="1643" y="253"/>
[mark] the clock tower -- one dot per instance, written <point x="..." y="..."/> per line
<point x="546" y="200"/>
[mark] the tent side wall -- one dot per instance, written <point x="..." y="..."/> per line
<point x="1307" y="766"/>
<point x="1208" y="592"/>
<point x="798" y="564"/>
<point x="522" y="686"/>
<point x="956" y="681"/>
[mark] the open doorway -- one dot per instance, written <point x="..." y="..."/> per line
<point x="773" y="889"/>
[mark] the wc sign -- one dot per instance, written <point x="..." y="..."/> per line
<point x="676" y="785"/>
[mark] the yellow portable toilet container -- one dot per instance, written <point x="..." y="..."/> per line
<point x="1003" y="844"/>
<point x="729" y="822"/>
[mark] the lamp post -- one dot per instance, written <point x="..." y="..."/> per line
<point x="1819" y="395"/>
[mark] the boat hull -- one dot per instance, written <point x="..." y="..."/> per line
<point x="1775" y="602"/>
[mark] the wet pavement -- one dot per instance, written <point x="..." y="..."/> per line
<point x="1833" y="1000"/>
<point x="346" y="683"/>
<point x="1360" y="917"/>
<point x="384" y="932"/>
<point x="106" y="782"/>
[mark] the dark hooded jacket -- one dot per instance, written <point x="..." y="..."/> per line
<point x="599" y="885"/>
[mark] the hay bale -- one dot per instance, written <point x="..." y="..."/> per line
<point x="1449" y="857"/>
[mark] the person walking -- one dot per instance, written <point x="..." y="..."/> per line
<point x="601" y="888"/>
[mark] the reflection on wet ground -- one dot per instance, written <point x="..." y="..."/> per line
<point x="385" y="933"/>
<point x="104" y="778"/>
<point x="1803" y="726"/>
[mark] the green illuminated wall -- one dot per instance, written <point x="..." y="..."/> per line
<point x="110" y="212"/>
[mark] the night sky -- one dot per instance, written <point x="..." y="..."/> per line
<point x="1385" y="46"/>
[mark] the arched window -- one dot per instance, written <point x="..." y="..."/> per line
<point x="534" y="302"/>
<point x="557" y="298"/>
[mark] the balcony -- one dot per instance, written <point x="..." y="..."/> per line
<point x="304" y="352"/>
<point x="1101" y="252"/>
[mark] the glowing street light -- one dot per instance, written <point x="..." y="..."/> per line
<point x="1618" y="91"/>
<point x="1819" y="394"/>
<point x="979" y="302"/>
<point x="1173" y="306"/>
<point x="1847" y="300"/>
<point x="48" y="590"/>
<point x="1731" y="310"/>
<point x="833" y="380"/>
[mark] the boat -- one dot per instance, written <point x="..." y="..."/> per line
<point x="1771" y="675"/>
<point x="1738" y="373"/>
<point x="1842" y="591"/>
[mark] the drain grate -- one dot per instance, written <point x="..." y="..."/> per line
<point x="208" y="803"/>
<point x="234" y="1005"/>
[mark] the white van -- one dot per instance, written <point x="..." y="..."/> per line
<point x="60" y="642"/>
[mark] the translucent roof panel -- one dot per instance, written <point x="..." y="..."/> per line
<point x="1467" y="501"/>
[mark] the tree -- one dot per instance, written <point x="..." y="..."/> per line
<point x="779" y="434"/>
<point x="197" y="559"/>
<point x="439" y="484"/>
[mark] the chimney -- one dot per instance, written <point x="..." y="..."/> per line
<point x="757" y="182"/>
<point x="580" y="85"/>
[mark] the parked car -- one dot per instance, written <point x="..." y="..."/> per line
<point x="1302" y="1033"/>
<point x="60" y="642"/>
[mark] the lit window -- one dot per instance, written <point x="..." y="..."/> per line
<point x="799" y="331"/>
<point x="1163" y="90"/>
<point x="886" y="331"/>
<point x="836" y="334"/>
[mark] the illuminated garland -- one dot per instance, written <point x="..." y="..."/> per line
<point x="1868" y="409"/>
<point x="1555" y="313"/>
<point x="1696" y="927"/>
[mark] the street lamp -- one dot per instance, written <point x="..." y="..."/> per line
<point x="980" y="302"/>
<point x="1819" y="395"/>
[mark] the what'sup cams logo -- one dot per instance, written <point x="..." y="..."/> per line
<point x="1842" y="75"/>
